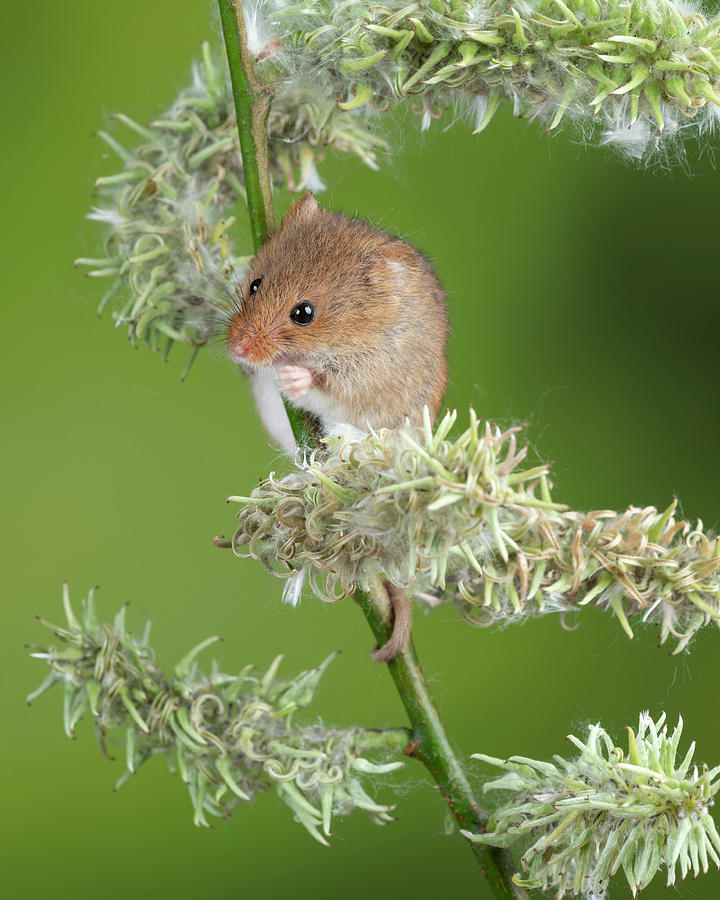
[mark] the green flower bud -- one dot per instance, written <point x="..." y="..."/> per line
<point x="229" y="737"/>
<point x="460" y="520"/>
<point x="582" y="820"/>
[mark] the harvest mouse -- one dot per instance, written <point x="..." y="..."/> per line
<point x="350" y="324"/>
<point x="348" y="321"/>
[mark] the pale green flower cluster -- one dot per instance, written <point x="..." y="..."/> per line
<point x="228" y="737"/>
<point x="604" y="811"/>
<point x="640" y="68"/>
<point x="458" y="519"/>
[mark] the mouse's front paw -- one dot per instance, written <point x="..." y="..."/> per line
<point x="295" y="381"/>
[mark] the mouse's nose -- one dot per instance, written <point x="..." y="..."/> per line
<point x="248" y="348"/>
<point x="238" y="351"/>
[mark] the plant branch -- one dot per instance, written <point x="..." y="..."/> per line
<point x="430" y="745"/>
<point x="252" y="106"/>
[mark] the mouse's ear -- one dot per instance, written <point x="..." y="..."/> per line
<point x="303" y="209"/>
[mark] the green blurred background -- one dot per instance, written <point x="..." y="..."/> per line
<point x="583" y="294"/>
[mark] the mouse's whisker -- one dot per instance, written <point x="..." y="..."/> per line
<point x="274" y="319"/>
<point x="271" y="331"/>
<point x="225" y="310"/>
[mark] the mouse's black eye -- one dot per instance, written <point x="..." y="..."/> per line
<point x="254" y="285"/>
<point x="303" y="314"/>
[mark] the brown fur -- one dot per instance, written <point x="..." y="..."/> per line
<point x="377" y="343"/>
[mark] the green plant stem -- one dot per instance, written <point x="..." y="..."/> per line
<point x="252" y="106"/>
<point x="430" y="745"/>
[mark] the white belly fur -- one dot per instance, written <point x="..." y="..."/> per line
<point x="332" y="415"/>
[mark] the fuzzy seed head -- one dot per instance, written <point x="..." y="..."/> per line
<point x="582" y="820"/>
<point x="229" y="737"/>
<point x="458" y="519"/>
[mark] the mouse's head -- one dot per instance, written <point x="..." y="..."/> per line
<point x="315" y="288"/>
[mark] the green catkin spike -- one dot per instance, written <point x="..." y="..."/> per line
<point x="207" y="104"/>
<point x="568" y="13"/>
<point x="183" y="719"/>
<point x="491" y="514"/>
<point x="627" y="58"/>
<point x="669" y="65"/>
<point x="130" y="735"/>
<point x="643" y="43"/>
<point x="638" y="74"/>
<point x="128" y="176"/>
<point x="145" y="133"/>
<point x="154" y="311"/>
<point x="469" y="54"/>
<point x="219" y="147"/>
<point x="394" y="34"/>
<point x="397" y="50"/>
<point x="201" y="788"/>
<point x="72" y="621"/>
<point x="695" y="599"/>
<point x="192" y="356"/>
<point x="47" y="683"/>
<point x="520" y="39"/>
<point x="421" y="32"/>
<point x="345" y="495"/>
<point x="215" y="83"/>
<point x="161" y="250"/>
<point x="604" y="580"/>
<point x="597" y="72"/>
<point x="363" y="95"/>
<point x="710" y="60"/>
<point x="182" y="668"/>
<point x="132" y="709"/>
<point x="68" y="698"/>
<point x="491" y="38"/>
<point x="168" y="347"/>
<point x="493" y="103"/>
<point x="358" y="66"/>
<point x="78" y="708"/>
<point x="564" y="106"/>
<point x="107" y="261"/>
<point x="173" y="125"/>
<point x="656" y="531"/>
<point x="108" y="295"/>
<point x="438" y="54"/>
<point x="675" y="86"/>
<point x="704" y="89"/>
<point x="428" y="431"/>
<point x="223" y="767"/>
<point x="616" y="602"/>
<point x="116" y="146"/>
<point x="326" y="802"/>
<point x="156" y="273"/>
<point x="652" y="92"/>
<point x="104" y="273"/>
<point x="181" y="763"/>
